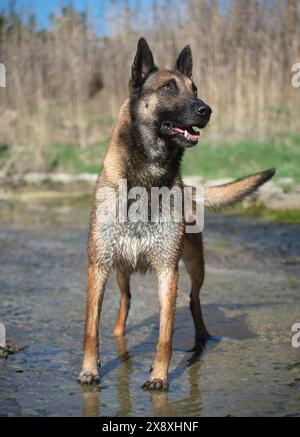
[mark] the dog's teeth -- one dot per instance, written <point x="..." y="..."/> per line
<point x="186" y="133"/>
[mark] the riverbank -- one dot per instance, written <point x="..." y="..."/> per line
<point x="278" y="200"/>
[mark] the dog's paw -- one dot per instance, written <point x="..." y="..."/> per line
<point x="156" y="384"/>
<point x="88" y="377"/>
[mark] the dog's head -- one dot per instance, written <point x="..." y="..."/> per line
<point x="164" y="102"/>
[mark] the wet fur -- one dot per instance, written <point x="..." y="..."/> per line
<point x="140" y="153"/>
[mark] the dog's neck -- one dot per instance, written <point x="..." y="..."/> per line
<point x="147" y="161"/>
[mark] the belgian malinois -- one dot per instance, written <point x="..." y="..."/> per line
<point x="154" y="127"/>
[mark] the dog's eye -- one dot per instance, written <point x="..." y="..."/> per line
<point x="167" y="86"/>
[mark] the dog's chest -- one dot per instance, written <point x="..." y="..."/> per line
<point x="138" y="245"/>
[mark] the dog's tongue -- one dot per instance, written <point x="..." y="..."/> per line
<point x="190" y="136"/>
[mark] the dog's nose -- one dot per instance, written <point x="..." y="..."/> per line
<point x="204" y="111"/>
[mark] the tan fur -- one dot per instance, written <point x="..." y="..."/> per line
<point x="123" y="278"/>
<point x="145" y="158"/>
<point x="193" y="259"/>
<point x="113" y="163"/>
<point x="95" y="293"/>
<point x="167" y="291"/>
<point x="233" y="192"/>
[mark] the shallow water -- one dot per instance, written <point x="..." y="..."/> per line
<point x="251" y="298"/>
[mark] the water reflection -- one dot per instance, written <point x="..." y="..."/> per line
<point x="91" y="400"/>
<point x="190" y="405"/>
<point x="91" y="394"/>
<point x="123" y="375"/>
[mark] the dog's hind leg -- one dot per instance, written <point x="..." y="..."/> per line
<point x="194" y="262"/>
<point x="167" y="291"/>
<point x="97" y="278"/>
<point x="123" y="278"/>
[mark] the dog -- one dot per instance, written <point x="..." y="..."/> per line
<point x="155" y="126"/>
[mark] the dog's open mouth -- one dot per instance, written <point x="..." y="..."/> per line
<point x="188" y="133"/>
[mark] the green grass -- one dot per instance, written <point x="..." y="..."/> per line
<point x="74" y="160"/>
<point x="212" y="161"/>
<point x="215" y="161"/>
<point x="4" y="154"/>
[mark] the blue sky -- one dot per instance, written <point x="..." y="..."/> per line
<point x="43" y="8"/>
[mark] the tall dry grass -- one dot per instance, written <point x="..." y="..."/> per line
<point x="65" y="83"/>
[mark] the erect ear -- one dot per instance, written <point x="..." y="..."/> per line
<point x="184" y="63"/>
<point x="143" y="63"/>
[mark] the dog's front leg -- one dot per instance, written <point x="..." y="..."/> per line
<point x="97" y="278"/>
<point x="167" y="290"/>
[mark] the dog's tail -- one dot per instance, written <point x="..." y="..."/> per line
<point x="233" y="192"/>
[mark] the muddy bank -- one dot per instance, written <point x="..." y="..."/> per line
<point x="279" y="194"/>
<point x="251" y="298"/>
